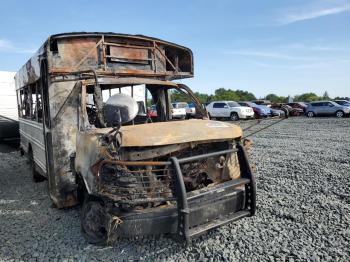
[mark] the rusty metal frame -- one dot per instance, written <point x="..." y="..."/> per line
<point x="103" y="44"/>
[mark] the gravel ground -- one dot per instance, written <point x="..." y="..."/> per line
<point x="303" y="207"/>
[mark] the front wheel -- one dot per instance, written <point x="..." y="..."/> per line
<point x="234" y="116"/>
<point x="310" y="114"/>
<point x="339" y="114"/>
<point x="94" y="221"/>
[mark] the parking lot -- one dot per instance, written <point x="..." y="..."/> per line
<point x="303" y="207"/>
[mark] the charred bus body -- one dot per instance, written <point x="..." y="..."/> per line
<point x="135" y="174"/>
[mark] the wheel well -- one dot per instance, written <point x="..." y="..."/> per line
<point x="82" y="189"/>
<point x="30" y="153"/>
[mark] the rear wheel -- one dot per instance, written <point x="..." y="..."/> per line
<point x="310" y="114"/>
<point x="339" y="114"/>
<point x="94" y="221"/>
<point x="234" y="116"/>
<point x="81" y="190"/>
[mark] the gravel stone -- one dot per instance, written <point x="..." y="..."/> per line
<point x="303" y="207"/>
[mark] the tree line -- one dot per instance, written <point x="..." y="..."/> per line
<point x="240" y="95"/>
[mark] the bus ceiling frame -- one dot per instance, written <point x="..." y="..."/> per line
<point x="150" y="44"/>
<point x="109" y="54"/>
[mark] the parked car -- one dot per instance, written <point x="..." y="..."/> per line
<point x="300" y="105"/>
<point x="229" y="109"/>
<point x="152" y="111"/>
<point x="343" y="102"/>
<point x="277" y="112"/>
<point x="178" y="110"/>
<point x="291" y="111"/>
<point x="259" y="110"/>
<point x="262" y="102"/>
<point x="326" y="108"/>
<point x="190" y="110"/>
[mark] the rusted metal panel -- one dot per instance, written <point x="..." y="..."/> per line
<point x="110" y="55"/>
<point x="127" y="54"/>
<point x="134" y="81"/>
<point x="30" y="71"/>
<point x="178" y="132"/>
<point x="71" y="51"/>
<point x="175" y="132"/>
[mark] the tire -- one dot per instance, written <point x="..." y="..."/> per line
<point x="339" y="114"/>
<point x="94" y="221"/>
<point x="310" y="114"/>
<point x="234" y="116"/>
<point x="36" y="176"/>
<point x="81" y="190"/>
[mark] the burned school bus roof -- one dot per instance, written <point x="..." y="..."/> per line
<point x="109" y="55"/>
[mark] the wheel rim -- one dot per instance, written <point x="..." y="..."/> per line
<point x="94" y="221"/>
<point x="234" y="117"/>
<point x="339" y="114"/>
<point x="310" y="114"/>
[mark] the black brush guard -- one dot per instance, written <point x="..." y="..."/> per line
<point x="198" y="211"/>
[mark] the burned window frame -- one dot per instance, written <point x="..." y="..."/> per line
<point x="160" y="95"/>
<point x="30" y="109"/>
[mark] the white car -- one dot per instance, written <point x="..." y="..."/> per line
<point x="229" y="109"/>
<point x="191" y="110"/>
<point x="179" y="110"/>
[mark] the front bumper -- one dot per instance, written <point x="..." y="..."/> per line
<point x="246" y="116"/>
<point x="179" y="116"/>
<point x="195" y="212"/>
<point x="224" y="203"/>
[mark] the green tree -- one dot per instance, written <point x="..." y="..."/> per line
<point x="203" y="97"/>
<point x="177" y="96"/>
<point x="276" y="99"/>
<point x="244" y="95"/>
<point x="235" y="95"/>
<point x="326" y="96"/>
<point x="306" y="97"/>
<point x="225" y="94"/>
<point x="342" y="98"/>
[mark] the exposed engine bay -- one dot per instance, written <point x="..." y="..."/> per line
<point x="147" y="185"/>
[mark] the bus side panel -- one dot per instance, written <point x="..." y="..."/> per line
<point x="64" y="127"/>
<point x="32" y="135"/>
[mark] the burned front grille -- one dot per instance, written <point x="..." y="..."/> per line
<point x="157" y="181"/>
<point x="137" y="185"/>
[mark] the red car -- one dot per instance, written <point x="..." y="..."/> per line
<point x="299" y="105"/>
<point x="152" y="111"/>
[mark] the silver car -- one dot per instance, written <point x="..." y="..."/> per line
<point x="326" y="108"/>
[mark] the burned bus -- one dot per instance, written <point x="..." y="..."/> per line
<point x="134" y="173"/>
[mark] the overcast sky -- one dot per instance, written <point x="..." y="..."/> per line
<point x="270" y="46"/>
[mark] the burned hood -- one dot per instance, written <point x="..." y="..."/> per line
<point x="167" y="133"/>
